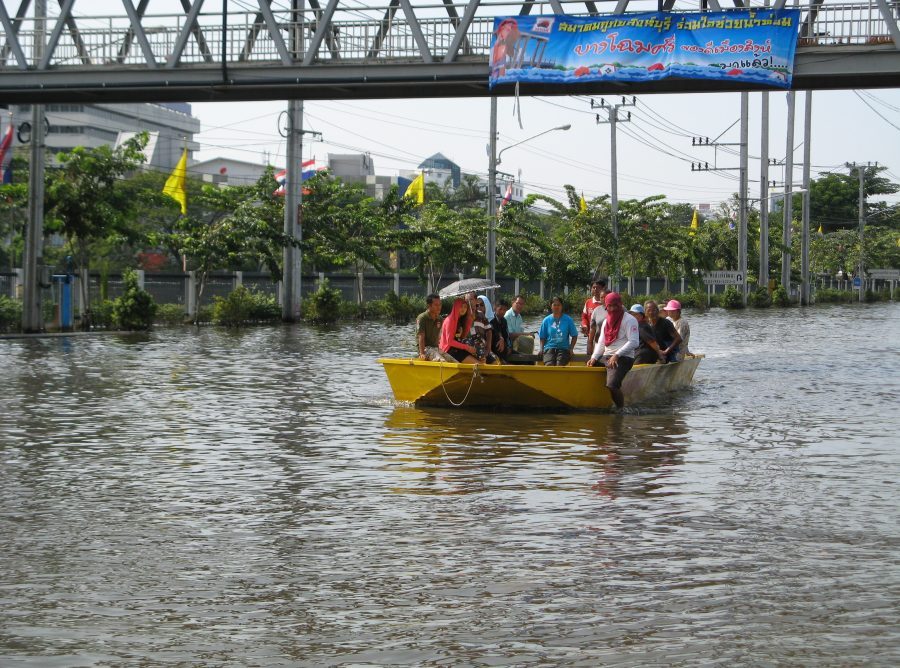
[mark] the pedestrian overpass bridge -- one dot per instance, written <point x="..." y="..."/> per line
<point x="348" y="49"/>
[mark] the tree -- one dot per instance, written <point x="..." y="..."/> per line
<point x="87" y="201"/>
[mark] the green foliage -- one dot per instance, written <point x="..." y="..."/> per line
<point x="243" y="306"/>
<point x="101" y="315"/>
<point x="759" y="298"/>
<point x="693" y="298"/>
<point x="398" y="309"/>
<point x="170" y="314"/>
<point x="732" y="298"/>
<point x="780" y="297"/>
<point x="535" y="305"/>
<point x="10" y="314"/>
<point x="324" y="305"/>
<point x="135" y="309"/>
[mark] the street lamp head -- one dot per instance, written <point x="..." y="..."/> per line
<point x="567" y="126"/>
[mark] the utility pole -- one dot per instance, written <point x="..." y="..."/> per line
<point x="744" y="188"/>
<point x="291" y="282"/>
<point x="788" y="196"/>
<point x="613" y="118"/>
<point x="804" y="240"/>
<point x="861" y="173"/>
<point x="492" y="196"/>
<point x="32" y="318"/>
<point x="764" y="193"/>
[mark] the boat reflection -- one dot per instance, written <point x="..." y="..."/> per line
<point x="443" y="451"/>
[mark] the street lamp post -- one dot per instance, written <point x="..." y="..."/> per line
<point x="495" y="159"/>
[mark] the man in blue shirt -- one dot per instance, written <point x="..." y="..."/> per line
<point x="558" y="334"/>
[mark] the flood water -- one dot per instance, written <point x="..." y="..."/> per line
<point x="254" y="498"/>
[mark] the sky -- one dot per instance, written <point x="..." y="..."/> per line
<point x="654" y="148"/>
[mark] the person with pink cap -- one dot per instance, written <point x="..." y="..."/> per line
<point x="673" y="313"/>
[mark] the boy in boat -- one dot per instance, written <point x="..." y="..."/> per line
<point x="428" y="330"/>
<point x="594" y="302"/>
<point x="616" y="344"/>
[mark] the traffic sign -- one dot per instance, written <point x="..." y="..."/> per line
<point x="885" y="274"/>
<point x="723" y="278"/>
<point x="857" y="282"/>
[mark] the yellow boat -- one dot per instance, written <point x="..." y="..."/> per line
<point x="529" y="385"/>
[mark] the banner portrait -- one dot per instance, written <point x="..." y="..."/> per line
<point x="752" y="45"/>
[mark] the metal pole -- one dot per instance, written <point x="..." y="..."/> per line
<point x="764" y="193"/>
<point x="788" y="197"/>
<point x="492" y="195"/>
<point x="804" y="241"/>
<point x="742" y="232"/>
<point x="860" y="170"/>
<point x="291" y="282"/>
<point x="32" y="319"/>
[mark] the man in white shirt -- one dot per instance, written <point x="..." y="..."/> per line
<point x="617" y="342"/>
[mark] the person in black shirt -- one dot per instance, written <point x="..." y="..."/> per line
<point x="648" y="351"/>
<point x="500" y="344"/>
<point x="667" y="337"/>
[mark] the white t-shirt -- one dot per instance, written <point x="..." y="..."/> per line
<point x="626" y="342"/>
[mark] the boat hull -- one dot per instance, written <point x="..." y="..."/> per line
<point x="528" y="386"/>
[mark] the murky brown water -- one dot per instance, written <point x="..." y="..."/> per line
<point x="255" y="499"/>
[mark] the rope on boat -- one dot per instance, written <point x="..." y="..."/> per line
<point x="475" y="372"/>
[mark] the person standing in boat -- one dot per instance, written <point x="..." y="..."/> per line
<point x="558" y="335"/>
<point x="617" y="343"/>
<point x="594" y="302"/>
<point x="428" y="330"/>
<point x="664" y="330"/>
<point x="673" y="313"/>
<point x="454" y="332"/>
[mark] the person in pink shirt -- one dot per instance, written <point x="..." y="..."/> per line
<point x="595" y="301"/>
<point x="453" y="332"/>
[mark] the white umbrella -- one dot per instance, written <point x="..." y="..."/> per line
<point x="467" y="285"/>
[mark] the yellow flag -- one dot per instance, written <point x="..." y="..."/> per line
<point x="175" y="187"/>
<point x="695" y="224"/>
<point x="416" y="189"/>
<point x="582" y="205"/>
<point x="821" y="233"/>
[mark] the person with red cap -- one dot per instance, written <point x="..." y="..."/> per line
<point x="616" y="345"/>
<point x="673" y="313"/>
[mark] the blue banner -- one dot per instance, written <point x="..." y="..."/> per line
<point x="749" y="45"/>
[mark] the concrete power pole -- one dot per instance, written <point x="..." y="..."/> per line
<point x="291" y="282"/>
<point x="612" y="119"/>
<point x="744" y="194"/>
<point x="32" y="318"/>
<point x="804" y="241"/>
<point x="764" y="193"/>
<point x="788" y="196"/>
<point x="861" y="172"/>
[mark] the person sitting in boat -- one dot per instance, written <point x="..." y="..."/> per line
<point x="648" y="351"/>
<point x="666" y="335"/>
<point x="522" y="342"/>
<point x="500" y="341"/>
<point x="558" y="335"/>
<point x="673" y="313"/>
<point x="595" y="301"/>
<point x="617" y="343"/>
<point x="454" y="332"/>
<point x="482" y="332"/>
<point x="428" y="331"/>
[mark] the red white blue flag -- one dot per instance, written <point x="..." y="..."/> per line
<point x="6" y="154"/>
<point x="281" y="177"/>
<point x="507" y="197"/>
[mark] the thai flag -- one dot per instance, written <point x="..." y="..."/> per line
<point x="281" y="177"/>
<point x="507" y="198"/>
<point x="6" y="154"/>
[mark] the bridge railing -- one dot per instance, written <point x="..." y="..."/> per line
<point x="354" y="34"/>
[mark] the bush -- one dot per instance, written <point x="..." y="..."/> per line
<point x="135" y="309"/>
<point x="759" y="298"/>
<point x="693" y="298"/>
<point x="780" y="297"/>
<point x="102" y="315"/>
<point x="324" y="305"/>
<point x="832" y="296"/>
<point x="10" y="314"/>
<point x="732" y="298"/>
<point x="170" y="314"/>
<point x="243" y="306"/>
<point x="398" y="309"/>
